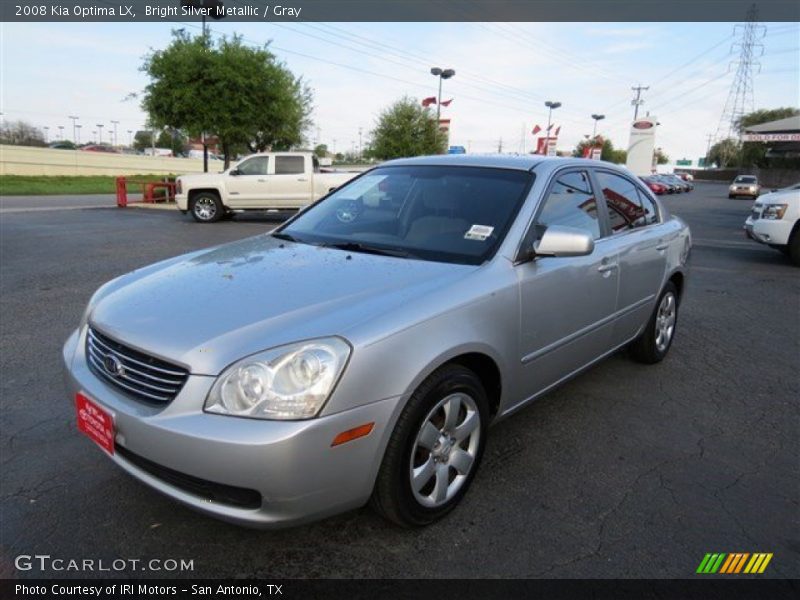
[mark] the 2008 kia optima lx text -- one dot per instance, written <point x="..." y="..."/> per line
<point x="361" y="350"/>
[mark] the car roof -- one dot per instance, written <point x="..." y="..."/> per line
<point x="521" y="162"/>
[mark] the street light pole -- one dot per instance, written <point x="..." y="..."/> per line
<point x="551" y="106"/>
<point x="77" y="135"/>
<point x="596" y="119"/>
<point x="115" y="123"/>
<point x="74" y="128"/>
<point x="130" y="137"/>
<point x="441" y="74"/>
<point x="46" y="136"/>
<point x="100" y="129"/>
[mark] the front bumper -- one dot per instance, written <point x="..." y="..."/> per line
<point x="773" y="232"/>
<point x="743" y="192"/>
<point x="291" y="464"/>
<point x="182" y="200"/>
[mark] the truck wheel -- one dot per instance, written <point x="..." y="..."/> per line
<point x="794" y="247"/>
<point x="206" y="207"/>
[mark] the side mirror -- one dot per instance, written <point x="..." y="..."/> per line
<point x="234" y="172"/>
<point x="564" y="241"/>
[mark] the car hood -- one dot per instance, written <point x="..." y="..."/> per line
<point x="780" y="197"/>
<point x="214" y="307"/>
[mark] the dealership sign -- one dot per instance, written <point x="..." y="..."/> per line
<point x="771" y="137"/>
<point x="641" y="146"/>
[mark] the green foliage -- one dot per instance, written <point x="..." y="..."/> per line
<point x="765" y="115"/>
<point x="724" y="153"/>
<point x="142" y="140"/>
<point x="661" y="157"/>
<point x="243" y="95"/>
<point x="321" y="150"/>
<point x="173" y="139"/>
<point x="406" y="129"/>
<point x="608" y="154"/>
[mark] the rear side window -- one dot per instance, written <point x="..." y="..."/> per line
<point x="289" y="165"/>
<point x="570" y="203"/>
<point x="627" y="207"/>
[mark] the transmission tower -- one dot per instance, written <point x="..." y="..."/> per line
<point x="741" y="99"/>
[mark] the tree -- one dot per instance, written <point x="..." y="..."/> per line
<point x="754" y="154"/>
<point x="406" y="129"/>
<point x="142" y="139"/>
<point x="321" y="150"/>
<point x="723" y="153"/>
<point x="173" y="139"/>
<point x="661" y="157"/>
<point x="243" y="95"/>
<point x="21" y="133"/>
<point x="608" y="153"/>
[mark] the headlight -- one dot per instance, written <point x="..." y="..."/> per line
<point x="774" y="211"/>
<point x="285" y="383"/>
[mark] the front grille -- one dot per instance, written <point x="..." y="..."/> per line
<point x="137" y="374"/>
<point x="208" y="490"/>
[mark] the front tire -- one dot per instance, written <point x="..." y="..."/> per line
<point x="435" y="449"/>
<point x="206" y="207"/>
<point x="655" y="341"/>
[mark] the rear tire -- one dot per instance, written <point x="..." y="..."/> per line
<point x="656" y="339"/>
<point x="435" y="449"/>
<point x="206" y="207"/>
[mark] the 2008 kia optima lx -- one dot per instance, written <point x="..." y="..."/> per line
<point x="360" y="351"/>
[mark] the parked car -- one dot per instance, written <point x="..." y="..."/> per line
<point x="672" y="187"/>
<point x="655" y="186"/>
<point x="744" y="185"/>
<point x="360" y="351"/>
<point x="684" y="186"/>
<point x="775" y="221"/>
<point x="269" y="180"/>
<point x="685" y="176"/>
<point x="99" y="148"/>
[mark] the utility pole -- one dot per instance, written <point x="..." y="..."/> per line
<point x="500" y="146"/>
<point x="60" y="132"/>
<point x="360" y="153"/>
<point x="46" y="134"/>
<point x="710" y="138"/>
<point x="637" y="102"/>
<point x="130" y="137"/>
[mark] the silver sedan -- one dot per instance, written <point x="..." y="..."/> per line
<point x="360" y="351"/>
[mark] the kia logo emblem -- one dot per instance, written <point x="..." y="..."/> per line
<point x="112" y="365"/>
<point x="643" y="125"/>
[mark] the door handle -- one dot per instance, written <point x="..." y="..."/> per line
<point x="262" y="181"/>
<point x="607" y="267"/>
<point x="302" y="179"/>
<point x="662" y="246"/>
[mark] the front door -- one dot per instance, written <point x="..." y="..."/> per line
<point x="567" y="303"/>
<point x="248" y="184"/>
<point x="290" y="185"/>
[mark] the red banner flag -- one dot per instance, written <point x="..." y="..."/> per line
<point x="557" y="130"/>
<point x="549" y="127"/>
<point x="446" y="102"/>
<point x="429" y="101"/>
<point x="536" y="129"/>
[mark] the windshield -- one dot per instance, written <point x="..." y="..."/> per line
<point x="745" y="179"/>
<point x="447" y="214"/>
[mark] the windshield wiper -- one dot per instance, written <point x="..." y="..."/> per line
<point x="367" y="249"/>
<point x="286" y="236"/>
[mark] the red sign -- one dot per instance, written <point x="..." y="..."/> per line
<point x="95" y="422"/>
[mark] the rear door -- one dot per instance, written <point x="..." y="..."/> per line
<point x="566" y="303"/>
<point x="639" y="240"/>
<point x="291" y="181"/>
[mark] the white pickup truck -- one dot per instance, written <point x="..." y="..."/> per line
<point x="264" y="181"/>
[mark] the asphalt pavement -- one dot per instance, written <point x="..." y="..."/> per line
<point x="626" y="471"/>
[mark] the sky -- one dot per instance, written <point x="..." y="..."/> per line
<point x="504" y="74"/>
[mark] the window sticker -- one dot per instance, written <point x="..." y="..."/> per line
<point x="478" y="232"/>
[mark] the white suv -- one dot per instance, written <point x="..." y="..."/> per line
<point x="775" y="221"/>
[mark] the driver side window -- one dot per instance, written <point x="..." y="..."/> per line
<point x="570" y="203"/>
<point x="254" y="166"/>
